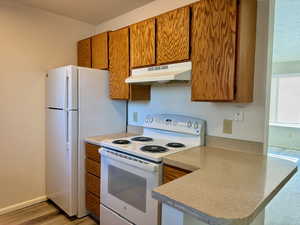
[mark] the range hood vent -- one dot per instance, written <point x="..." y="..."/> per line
<point x="161" y="74"/>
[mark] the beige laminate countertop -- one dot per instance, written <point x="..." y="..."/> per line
<point x="226" y="187"/>
<point x="97" y="139"/>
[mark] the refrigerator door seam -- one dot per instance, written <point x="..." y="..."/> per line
<point x="54" y="108"/>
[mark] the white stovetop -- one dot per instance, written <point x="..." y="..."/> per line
<point x="134" y="148"/>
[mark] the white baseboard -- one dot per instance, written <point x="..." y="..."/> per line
<point x="22" y="205"/>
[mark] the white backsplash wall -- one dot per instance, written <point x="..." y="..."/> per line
<point x="176" y="98"/>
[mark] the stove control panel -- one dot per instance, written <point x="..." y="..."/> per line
<point x="177" y="123"/>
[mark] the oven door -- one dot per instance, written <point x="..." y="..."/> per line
<point x="126" y="186"/>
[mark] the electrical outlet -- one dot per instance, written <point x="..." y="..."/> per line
<point x="238" y="116"/>
<point x="227" y="126"/>
<point x="135" y="117"/>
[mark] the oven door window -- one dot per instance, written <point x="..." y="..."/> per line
<point x="127" y="187"/>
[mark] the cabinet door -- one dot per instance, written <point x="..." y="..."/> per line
<point x="140" y="92"/>
<point x="171" y="173"/>
<point x="100" y="51"/>
<point x="173" y="36"/>
<point x="93" y="167"/>
<point x="246" y="50"/>
<point x="213" y="50"/>
<point x="142" y="43"/>
<point x="84" y="53"/>
<point x="119" y="63"/>
<point x="93" y="203"/>
<point x="119" y="69"/>
<point x="93" y="184"/>
<point x="91" y="152"/>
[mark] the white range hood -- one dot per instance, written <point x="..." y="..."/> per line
<point x="161" y="74"/>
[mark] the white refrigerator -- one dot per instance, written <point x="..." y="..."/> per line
<point x="78" y="106"/>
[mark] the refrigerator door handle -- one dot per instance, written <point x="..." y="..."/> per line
<point x="67" y="129"/>
<point x="67" y="91"/>
<point x="71" y="89"/>
<point x="67" y="112"/>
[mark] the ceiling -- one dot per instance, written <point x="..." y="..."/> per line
<point x="287" y="31"/>
<point x="90" y="11"/>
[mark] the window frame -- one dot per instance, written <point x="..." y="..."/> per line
<point x="277" y="77"/>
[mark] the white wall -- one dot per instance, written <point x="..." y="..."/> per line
<point x="176" y="98"/>
<point x="32" y="41"/>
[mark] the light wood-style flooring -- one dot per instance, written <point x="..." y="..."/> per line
<point x="44" y="213"/>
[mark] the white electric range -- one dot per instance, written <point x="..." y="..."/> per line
<point x="132" y="167"/>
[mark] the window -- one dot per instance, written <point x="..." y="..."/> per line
<point x="285" y="99"/>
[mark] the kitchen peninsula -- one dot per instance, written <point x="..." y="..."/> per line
<point x="224" y="188"/>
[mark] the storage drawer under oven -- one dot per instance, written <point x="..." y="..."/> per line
<point x="108" y="217"/>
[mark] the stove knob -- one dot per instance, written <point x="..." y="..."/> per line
<point x="150" y="119"/>
<point x="196" y="125"/>
<point x="189" y="124"/>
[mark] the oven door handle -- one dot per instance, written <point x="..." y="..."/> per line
<point x="129" y="160"/>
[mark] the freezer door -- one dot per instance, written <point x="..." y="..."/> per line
<point x="62" y="88"/>
<point x="61" y="159"/>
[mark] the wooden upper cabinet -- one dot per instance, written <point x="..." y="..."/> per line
<point x="214" y="37"/>
<point x="119" y="63"/>
<point x="84" y="53"/>
<point x="100" y="51"/>
<point x="246" y="43"/>
<point x="142" y="43"/>
<point x="119" y="69"/>
<point x="218" y="36"/>
<point x="173" y="35"/>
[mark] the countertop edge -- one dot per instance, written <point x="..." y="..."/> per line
<point x="222" y="221"/>
<point x="191" y="211"/>
<point x="90" y="141"/>
<point x="186" y="166"/>
<point x="180" y="165"/>
<point x="96" y="140"/>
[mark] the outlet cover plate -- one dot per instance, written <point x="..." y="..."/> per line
<point x="135" y="117"/>
<point x="227" y="126"/>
